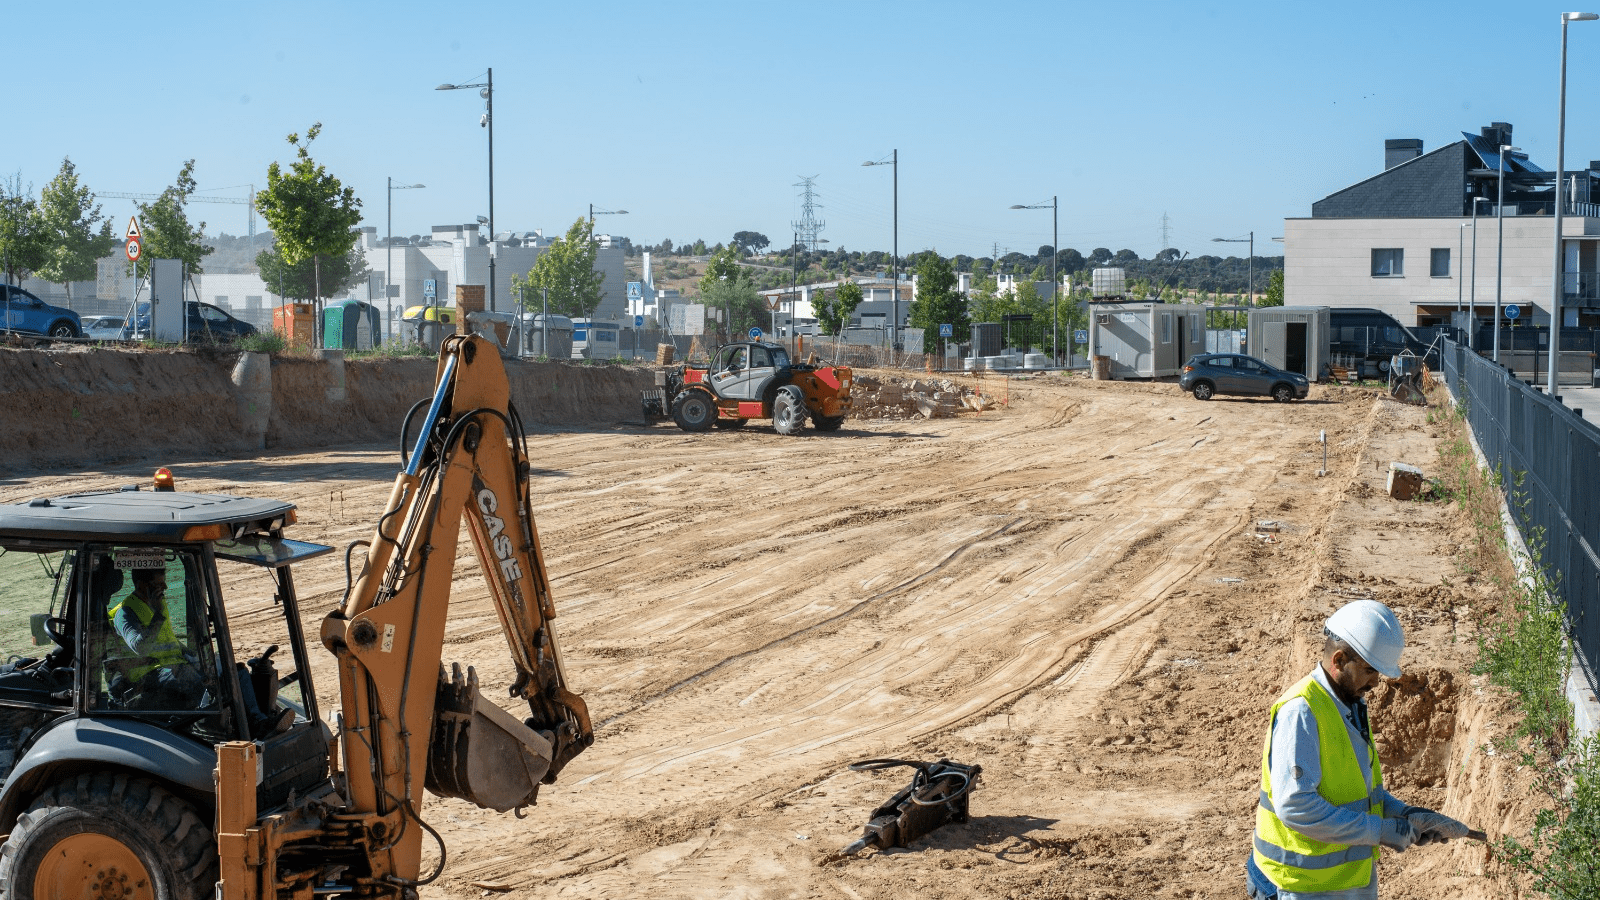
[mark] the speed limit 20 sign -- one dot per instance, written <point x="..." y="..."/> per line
<point x="133" y="249"/>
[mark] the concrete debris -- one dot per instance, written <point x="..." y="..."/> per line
<point x="926" y="398"/>
<point x="1405" y="482"/>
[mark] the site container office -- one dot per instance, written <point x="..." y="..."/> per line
<point x="1146" y="340"/>
<point x="596" y="340"/>
<point x="1292" y="338"/>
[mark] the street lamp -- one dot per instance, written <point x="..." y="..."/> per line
<point x="486" y="91"/>
<point x="794" y="290"/>
<point x="1055" y="284"/>
<point x="1250" y="264"/>
<point x="894" y="334"/>
<point x="1461" y="283"/>
<point x="388" y="272"/>
<point x="1472" y="292"/>
<point x="1559" y="286"/>
<point x="1500" y="243"/>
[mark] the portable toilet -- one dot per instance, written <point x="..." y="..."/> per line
<point x="1146" y="340"/>
<point x="1293" y="338"/>
<point x="295" y="323"/>
<point x="349" y="325"/>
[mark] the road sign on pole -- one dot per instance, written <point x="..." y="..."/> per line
<point x="133" y="228"/>
<point x="133" y="249"/>
<point x="755" y="334"/>
<point x="946" y="331"/>
<point x="1513" y="310"/>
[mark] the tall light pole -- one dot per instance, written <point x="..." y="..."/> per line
<point x="1250" y="264"/>
<point x="1055" y="284"/>
<point x="1461" y="248"/>
<point x="605" y="212"/>
<point x="388" y="272"/>
<point x="1559" y="282"/>
<point x="894" y="334"/>
<point x="1500" y="242"/>
<point x="1472" y="292"/>
<point x="794" y="291"/>
<point x="486" y="91"/>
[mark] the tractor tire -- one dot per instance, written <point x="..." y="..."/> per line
<point x="826" y="423"/>
<point x="1203" y="390"/>
<point x="109" y="835"/>
<point x="694" y="410"/>
<point x="730" y="424"/>
<point x="789" y="410"/>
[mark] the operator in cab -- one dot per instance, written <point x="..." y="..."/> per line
<point x="162" y="671"/>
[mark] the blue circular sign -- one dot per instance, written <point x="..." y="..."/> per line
<point x="755" y="334"/>
<point x="1513" y="310"/>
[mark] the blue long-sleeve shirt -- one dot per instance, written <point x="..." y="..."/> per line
<point x="1294" y="765"/>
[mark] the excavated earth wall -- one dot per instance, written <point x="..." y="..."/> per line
<point x="83" y="405"/>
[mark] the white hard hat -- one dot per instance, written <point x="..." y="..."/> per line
<point x="1371" y="629"/>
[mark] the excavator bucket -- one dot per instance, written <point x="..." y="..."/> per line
<point x="480" y="752"/>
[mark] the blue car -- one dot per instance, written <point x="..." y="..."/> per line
<point x="22" y="311"/>
<point x="207" y="324"/>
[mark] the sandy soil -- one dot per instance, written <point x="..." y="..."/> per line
<point x="1070" y="590"/>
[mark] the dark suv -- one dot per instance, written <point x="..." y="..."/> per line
<point x="22" y="311"/>
<point x="1210" y="374"/>
<point x="206" y="323"/>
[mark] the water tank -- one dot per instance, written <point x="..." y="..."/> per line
<point x="1109" y="282"/>
<point x="1035" y="361"/>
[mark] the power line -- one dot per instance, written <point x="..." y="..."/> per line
<point x="808" y="227"/>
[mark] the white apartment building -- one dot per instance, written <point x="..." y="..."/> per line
<point x="1403" y="240"/>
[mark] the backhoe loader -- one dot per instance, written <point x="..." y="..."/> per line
<point x="142" y="756"/>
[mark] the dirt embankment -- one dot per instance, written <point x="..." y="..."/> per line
<point x="98" y="406"/>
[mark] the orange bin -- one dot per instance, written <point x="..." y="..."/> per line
<point x="296" y="323"/>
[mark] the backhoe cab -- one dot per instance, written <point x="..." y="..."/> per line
<point x="751" y="380"/>
<point x="142" y="756"/>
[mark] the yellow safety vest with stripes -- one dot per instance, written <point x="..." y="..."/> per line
<point x="1293" y="861"/>
<point x="162" y="650"/>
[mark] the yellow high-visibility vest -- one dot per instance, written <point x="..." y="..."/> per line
<point x="1293" y="861"/>
<point x="164" y="650"/>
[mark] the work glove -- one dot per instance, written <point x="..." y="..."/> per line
<point x="1433" y="827"/>
<point x="1397" y="835"/>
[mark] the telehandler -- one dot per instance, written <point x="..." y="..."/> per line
<point x="751" y="380"/>
<point x="143" y="759"/>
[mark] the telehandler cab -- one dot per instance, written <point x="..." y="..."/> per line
<point x="139" y="761"/>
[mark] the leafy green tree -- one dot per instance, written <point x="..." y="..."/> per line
<point x="76" y="234"/>
<point x="937" y="301"/>
<point x="1274" y="296"/>
<point x="21" y="233"/>
<point x="740" y="302"/>
<point x="750" y="242"/>
<point x="166" y="228"/>
<point x="834" y="311"/>
<point x="724" y="264"/>
<point x="566" y="270"/>
<point x="1070" y="260"/>
<point x="299" y="280"/>
<point x="1100" y="256"/>
<point x="311" y="213"/>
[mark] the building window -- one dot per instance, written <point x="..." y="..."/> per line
<point x="1439" y="267"/>
<point x="1388" y="263"/>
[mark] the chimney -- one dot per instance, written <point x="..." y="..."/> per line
<point x="1401" y="150"/>
<point x="1497" y="133"/>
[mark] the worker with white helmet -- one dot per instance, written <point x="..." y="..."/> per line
<point x="1323" y="812"/>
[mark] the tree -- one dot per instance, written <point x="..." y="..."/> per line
<point x="1070" y="260"/>
<point x="833" y="313"/>
<point x="1274" y="296"/>
<point x="1099" y="256"/>
<point x="166" y="229"/>
<point x="937" y="301"/>
<point x="566" y="270"/>
<point x="76" y="235"/>
<point x="311" y="213"/>
<point x="724" y="264"/>
<point x="751" y="242"/>
<point x="299" y="280"/>
<point x="21" y="233"/>
<point x="740" y="302"/>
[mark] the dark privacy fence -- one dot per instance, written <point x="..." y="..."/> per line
<point x="1557" y="454"/>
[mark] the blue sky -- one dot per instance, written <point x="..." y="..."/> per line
<point x="700" y="117"/>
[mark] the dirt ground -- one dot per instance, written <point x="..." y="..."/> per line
<point x="1072" y="590"/>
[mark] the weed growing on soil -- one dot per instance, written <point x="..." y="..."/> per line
<point x="1524" y="646"/>
<point x="262" y="342"/>
<point x="393" y="350"/>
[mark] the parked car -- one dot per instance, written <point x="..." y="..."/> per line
<point x="1372" y="337"/>
<point x="22" y="311"/>
<point x="207" y="323"/>
<point x="102" y="328"/>
<point x="1209" y="374"/>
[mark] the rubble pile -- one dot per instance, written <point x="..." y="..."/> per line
<point x="925" y="398"/>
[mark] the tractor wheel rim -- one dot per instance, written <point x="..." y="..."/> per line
<point x="92" y="866"/>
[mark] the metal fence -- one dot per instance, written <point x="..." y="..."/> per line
<point x="1547" y="453"/>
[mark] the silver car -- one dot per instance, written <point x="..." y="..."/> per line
<point x="102" y="328"/>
